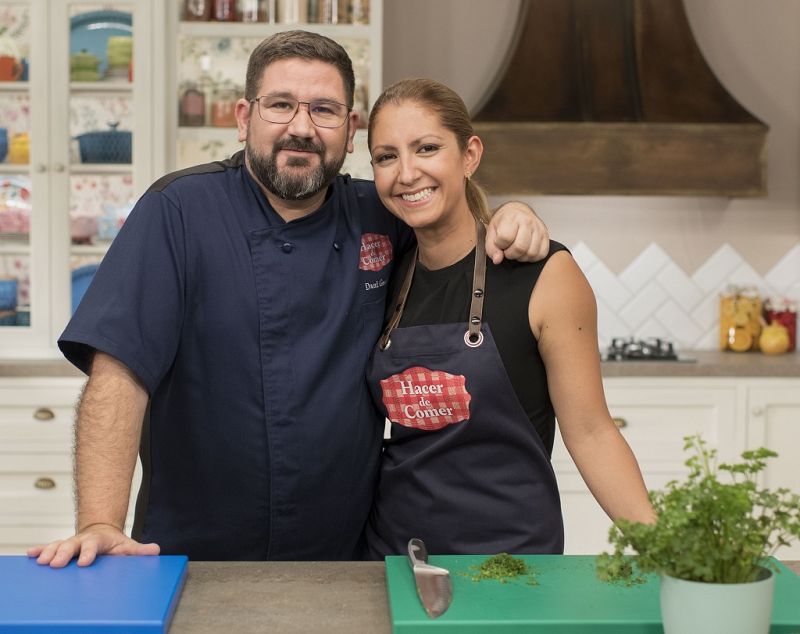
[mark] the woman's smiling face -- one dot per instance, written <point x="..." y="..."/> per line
<point x="418" y="165"/>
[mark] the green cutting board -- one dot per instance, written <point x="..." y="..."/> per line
<point x="569" y="599"/>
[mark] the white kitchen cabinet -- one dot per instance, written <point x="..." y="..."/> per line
<point x="55" y="207"/>
<point x="655" y="414"/>
<point x="212" y="56"/>
<point x="773" y="414"/>
<point x="36" y="492"/>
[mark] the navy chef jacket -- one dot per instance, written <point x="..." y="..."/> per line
<point x="251" y="336"/>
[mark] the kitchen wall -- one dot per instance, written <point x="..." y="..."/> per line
<point x="656" y="264"/>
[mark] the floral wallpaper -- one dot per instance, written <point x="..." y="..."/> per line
<point x="16" y="19"/>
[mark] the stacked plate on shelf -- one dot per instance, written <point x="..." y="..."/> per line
<point x="120" y="54"/>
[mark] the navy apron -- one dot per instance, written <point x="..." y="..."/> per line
<point x="464" y="470"/>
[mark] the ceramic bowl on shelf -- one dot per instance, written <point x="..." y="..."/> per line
<point x="105" y="146"/>
<point x="8" y="293"/>
<point x="19" y="148"/>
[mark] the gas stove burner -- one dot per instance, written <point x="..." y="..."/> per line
<point x="648" y="349"/>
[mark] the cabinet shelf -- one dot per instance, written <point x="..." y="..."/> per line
<point x="14" y="86"/>
<point x="101" y="87"/>
<point x="101" y="168"/>
<point x="23" y="248"/>
<point x="264" y="29"/>
<point x="14" y="168"/>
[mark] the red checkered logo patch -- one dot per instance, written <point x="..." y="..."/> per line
<point x="376" y="252"/>
<point x="426" y="399"/>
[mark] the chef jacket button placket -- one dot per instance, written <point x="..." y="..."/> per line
<point x="287" y="247"/>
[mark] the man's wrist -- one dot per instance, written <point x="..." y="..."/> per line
<point x="90" y="525"/>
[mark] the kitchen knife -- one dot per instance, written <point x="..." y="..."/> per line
<point x="433" y="583"/>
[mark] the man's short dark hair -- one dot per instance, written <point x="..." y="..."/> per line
<point x="303" y="45"/>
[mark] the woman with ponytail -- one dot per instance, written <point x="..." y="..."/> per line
<point x="477" y="360"/>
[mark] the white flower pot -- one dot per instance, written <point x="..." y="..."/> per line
<point x="692" y="607"/>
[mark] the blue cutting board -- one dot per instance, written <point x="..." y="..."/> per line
<point x="114" y="594"/>
<point x="569" y="599"/>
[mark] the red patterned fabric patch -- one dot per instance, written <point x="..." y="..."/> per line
<point x="426" y="399"/>
<point x="376" y="252"/>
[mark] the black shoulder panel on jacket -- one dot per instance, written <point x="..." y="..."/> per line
<point x="237" y="160"/>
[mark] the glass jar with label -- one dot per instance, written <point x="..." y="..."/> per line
<point x="223" y="106"/>
<point x="192" y="109"/>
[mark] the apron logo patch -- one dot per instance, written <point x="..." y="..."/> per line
<point x="426" y="399"/>
<point x="376" y="252"/>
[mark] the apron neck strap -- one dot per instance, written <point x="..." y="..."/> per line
<point x="473" y="337"/>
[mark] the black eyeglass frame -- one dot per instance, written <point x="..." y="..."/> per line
<point x="257" y="101"/>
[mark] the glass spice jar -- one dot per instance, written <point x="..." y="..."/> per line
<point x="739" y="319"/>
<point x="253" y="11"/>
<point x="783" y="311"/>
<point x="197" y="10"/>
<point x="223" y="107"/>
<point x="224" y="10"/>
<point x="192" y="108"/>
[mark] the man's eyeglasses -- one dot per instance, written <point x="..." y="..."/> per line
<point x="324" y="114"/>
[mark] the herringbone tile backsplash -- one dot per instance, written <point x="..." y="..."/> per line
<point x="654" y="297"/>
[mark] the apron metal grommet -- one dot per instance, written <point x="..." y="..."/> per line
<point x="386" y="345"/>
<point x="473" y="344"/>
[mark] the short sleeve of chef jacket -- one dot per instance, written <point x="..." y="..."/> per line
<point x="134" y="306"/>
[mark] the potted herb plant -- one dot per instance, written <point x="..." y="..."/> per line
<point x="711" y="543"/>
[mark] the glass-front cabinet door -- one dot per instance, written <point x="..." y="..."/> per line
<point x="76" y="105"/>
<point x="212" y="42"/>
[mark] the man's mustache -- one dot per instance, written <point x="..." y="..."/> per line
<point x="301" y="145"/>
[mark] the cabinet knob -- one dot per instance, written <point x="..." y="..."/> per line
<point x="44" y="413"/>
<point x="41" y="168"/>
<point x="620" y="423"/>
<point x="758" y="411"/>
<point x="59" y="167"/>
<point x="45" y="483"/>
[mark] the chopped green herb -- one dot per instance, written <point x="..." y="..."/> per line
<point x="503" y="568"/>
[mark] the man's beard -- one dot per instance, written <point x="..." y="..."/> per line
<point x="286" y="184"/>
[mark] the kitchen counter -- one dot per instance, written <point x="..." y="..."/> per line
<point x="708" y="363"/>
<point x="288" y="597"/>
<point x="39" y="368"/>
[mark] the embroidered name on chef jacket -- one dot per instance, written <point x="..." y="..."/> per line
<point x="426" y="399"/>
<point x="376" y="252"/>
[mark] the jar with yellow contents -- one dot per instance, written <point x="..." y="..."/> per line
<point x="739" y="319"/>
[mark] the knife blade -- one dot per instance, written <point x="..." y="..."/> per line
<point x="433" y="583"/>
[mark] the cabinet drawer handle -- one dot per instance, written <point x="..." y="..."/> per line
<point x="45" y="483"/>
<point x="620" y="423"/>
<point x="44" y="413"/>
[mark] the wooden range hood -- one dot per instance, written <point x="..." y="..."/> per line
<point x="614" y="97"/>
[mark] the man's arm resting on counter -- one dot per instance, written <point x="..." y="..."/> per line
<point x="107" y="433"/>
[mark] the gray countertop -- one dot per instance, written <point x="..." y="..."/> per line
<point x="707" y="363"/>
<point x="711" y="363"/>
<point x="288" y="597"/>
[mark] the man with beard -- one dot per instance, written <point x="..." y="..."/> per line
<point x="235" y="313"/>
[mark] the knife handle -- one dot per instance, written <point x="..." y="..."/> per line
<point x="417" y="552"/>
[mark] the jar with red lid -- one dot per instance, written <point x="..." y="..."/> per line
<point x="783" y="311"/>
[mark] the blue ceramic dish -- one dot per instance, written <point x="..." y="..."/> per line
<point x="8" y="294"/>
<point x="105" y="146"/>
